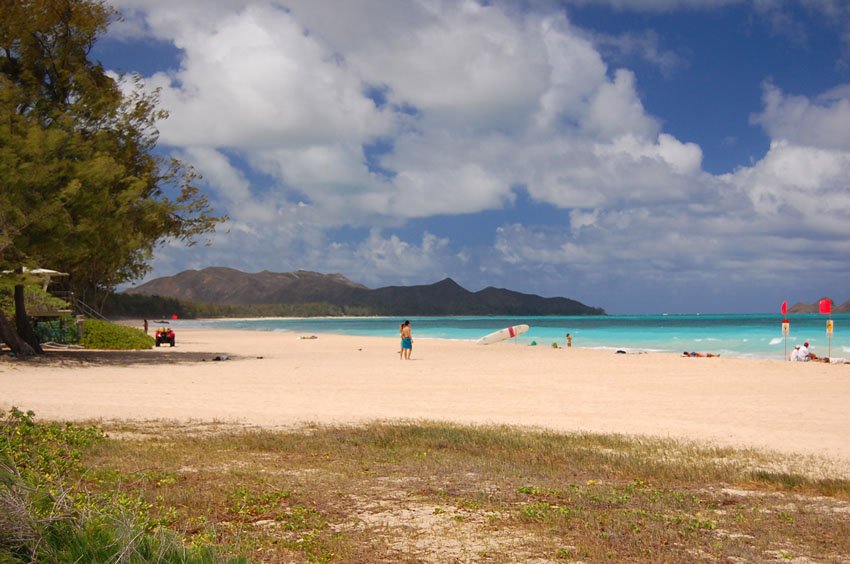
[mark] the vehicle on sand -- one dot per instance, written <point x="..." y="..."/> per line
<point x="165" y="335"/>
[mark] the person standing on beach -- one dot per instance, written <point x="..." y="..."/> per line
<point x="569" y="340"/>
<point x="406" y="341"/>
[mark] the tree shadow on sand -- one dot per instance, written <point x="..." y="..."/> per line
<point x="81" y="358"/>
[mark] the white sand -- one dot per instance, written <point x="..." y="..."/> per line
<point x="788" y="407"/>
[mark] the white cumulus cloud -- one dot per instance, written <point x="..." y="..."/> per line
<point x="323" y="130"/>
<point x="821" y="122"/>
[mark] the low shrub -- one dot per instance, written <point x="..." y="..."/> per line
<point x="43" y="450"/>
<point x="45" y="517"/>
<point x="105" y="335"/>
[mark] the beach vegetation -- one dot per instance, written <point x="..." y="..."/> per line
<point x="433" y="491"/>
<point x="84" y="191"/>
<point x="54" y="322"/>
<point x="408" y="491"/>
<point x="46" y="517"/>
<point x="98" y="334"/>
<point x="37" y="299"/>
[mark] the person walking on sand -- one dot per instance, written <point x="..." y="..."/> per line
<point x="406" y="341"/>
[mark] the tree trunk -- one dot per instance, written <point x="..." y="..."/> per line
<point x="10" y="337"/>
<point x="22" y="321"/>
<point x="102" y="300"/>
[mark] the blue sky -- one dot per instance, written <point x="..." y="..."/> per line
<point x="643" y="156"/>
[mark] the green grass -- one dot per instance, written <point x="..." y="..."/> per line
<point x="46" y="517"/>
<point x="419" y="491"/>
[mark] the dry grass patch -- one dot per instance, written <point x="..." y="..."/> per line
<point x="412" y="492"/>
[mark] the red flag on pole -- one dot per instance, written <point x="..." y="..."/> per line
<point x="825" y="305"/>
<point x="784" y="307"/>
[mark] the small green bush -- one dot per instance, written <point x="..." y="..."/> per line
<point x="105" y="335"/>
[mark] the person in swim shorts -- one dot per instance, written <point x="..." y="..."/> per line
<point x="406" y="341"/>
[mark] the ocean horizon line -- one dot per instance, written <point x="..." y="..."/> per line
<point x="522" y="316"/>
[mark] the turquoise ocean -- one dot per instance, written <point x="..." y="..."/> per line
<point x="749" y="336"/>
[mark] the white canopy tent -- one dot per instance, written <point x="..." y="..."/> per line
<point x="45" y="272"/>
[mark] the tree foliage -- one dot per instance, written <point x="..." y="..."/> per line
<point x="83" y="190"/>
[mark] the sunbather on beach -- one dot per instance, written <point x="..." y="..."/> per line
<point x="795" y="354"/>
<point x="699" y="354"/>
<point x="805" y="354"/>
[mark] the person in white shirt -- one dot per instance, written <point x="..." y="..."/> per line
<point x="795" y="354"/>
<point x="804" y="352"/>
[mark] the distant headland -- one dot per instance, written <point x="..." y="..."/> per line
<point x="219" y="291"/>
<point x="800" y="307"/>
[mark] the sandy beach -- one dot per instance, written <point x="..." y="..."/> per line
<point x="279" y="380"/>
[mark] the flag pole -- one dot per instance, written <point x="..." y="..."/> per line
<point x="830" y="332"/>
<point x="785" y="326"/>
<point x="825" y="306"/>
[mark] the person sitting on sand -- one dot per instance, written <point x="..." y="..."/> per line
<point x="406" y="341"/>
<point x="795" y="354"/>
<point x="806" y="354"/>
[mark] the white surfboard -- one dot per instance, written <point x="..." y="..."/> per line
<point x="502" y="334"/>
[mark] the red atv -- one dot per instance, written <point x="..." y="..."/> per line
<point x="164" y="335"/>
